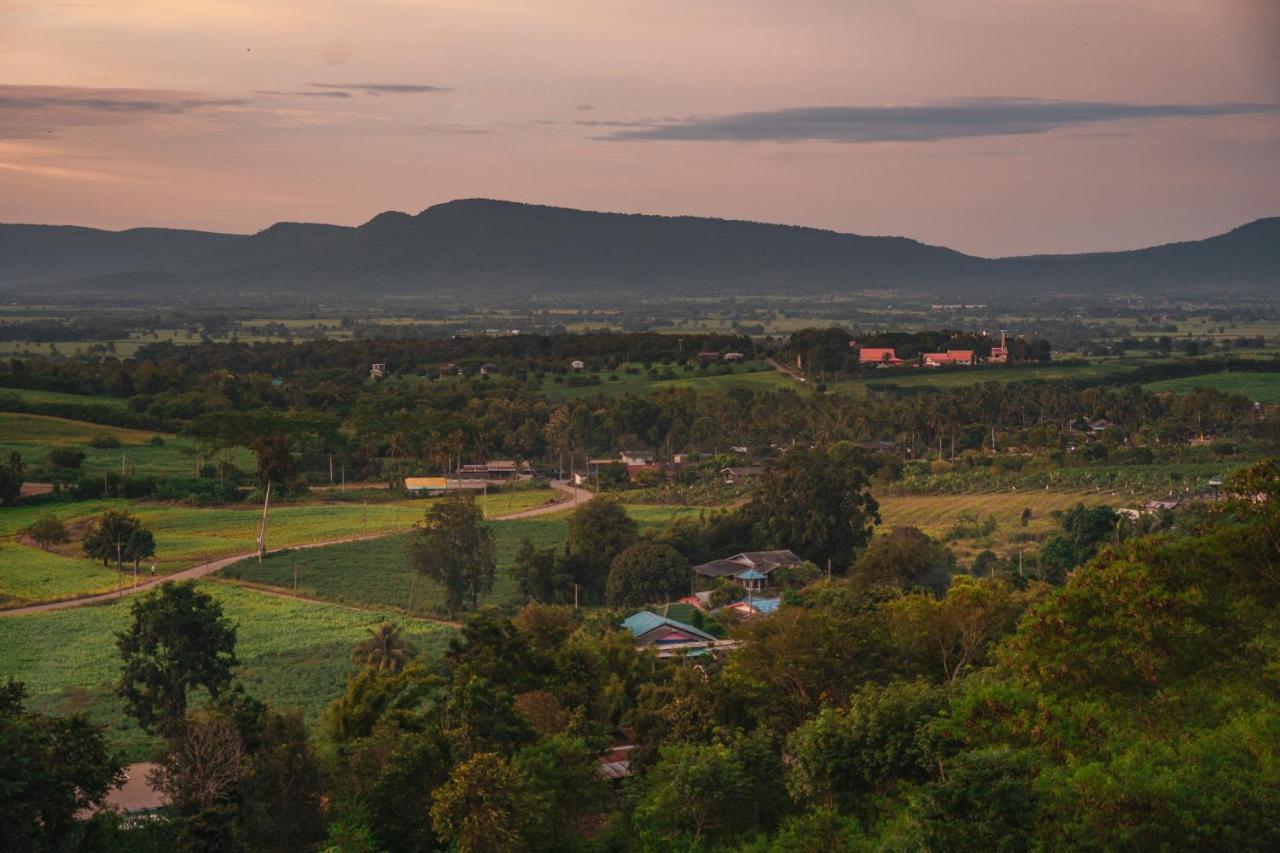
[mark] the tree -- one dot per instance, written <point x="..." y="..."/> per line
<point x="48" y="530"/>
<point x="12" y="475"/>
<point x="955" y="632"/>
<point x="179" y="640"/>
<point x="204" y="764"/>
<point x="65" y="458"/>
<point x="646" y="573"/>
<point x="905" y="558"/>
<point x="541" y="574"/>
<point x="842" y="756"/>
<point x="564" y="776"/>
<point x="816" y="503"/>
<point x="140" y="545"/>
<point x="107" y="537"/>
<point x="282" y="790"/>
<point x="456" y="550"/>
<point x="386" y="650"/>
<point x="52" y="768"/>
<point x="485" y="807"/>
<point x="598" y="531"/>
<point x="276" y="463"/>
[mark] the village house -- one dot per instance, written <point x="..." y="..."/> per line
<point x="637" y="457"/>
<point x="488" y="369"/>
<point x="737" y="474"/>
<point x="882" y="356"/>
<point x="667" y="636"/>
<point x="377" y="370"/>
<point x="1000" y="354"/>
<point x="577" y="365"/>
<point x="733" y="356"/>
<point x="705" y="358"/>
<point x="750" y="569"/>
<point x="955" y="357"/>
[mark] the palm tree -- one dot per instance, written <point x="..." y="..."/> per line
<point x="385" y="650"/>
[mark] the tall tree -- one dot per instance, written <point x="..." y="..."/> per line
<point x="51" y="768"/>
<point x="179" y="640"/>
<point x="598" y="531"/>
<point x="12" y="474"/>
<point x="485" y="807"/>
<point x="108" y="537"/>
<point x="455" y="549"/>
<point x="48" y="530"/>
<point x="647" y="573"/>
<point x="816" y="503"/>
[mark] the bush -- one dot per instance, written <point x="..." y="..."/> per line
<point x="104" y="441"/>
<point x="65" y="458"/>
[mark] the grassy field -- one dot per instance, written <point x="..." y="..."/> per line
<point x="34" y="436"/>
<point x="1264" y="387"/>
<point x="291" y="653"/>
<point x="29" y="396"/>
<point x="755" y="375"/>
<point x="964" y="377"/>
<point x="936" y="515"/>
<point x="188" y="535"/>
<point x="377" y="572"/>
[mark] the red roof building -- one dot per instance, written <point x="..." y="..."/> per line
<point x="955" y="356"/>
<point x="878" y="355"/>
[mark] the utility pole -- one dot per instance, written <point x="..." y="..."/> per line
<point x="295" y="577"/>
<point x="412" y="583"/>
<point x="119" y="571"/>
<point x="262" y="531"/>
<point x="575" y="596"/>
<point x="331" y="469"/>
<point x="344" y="478"/>
<point x="364" y="526"/>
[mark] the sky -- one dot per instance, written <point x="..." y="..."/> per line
<point x="991" y="126"/>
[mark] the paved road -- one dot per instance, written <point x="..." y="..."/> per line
<point x="575" y="496"/>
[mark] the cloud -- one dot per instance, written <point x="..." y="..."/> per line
<point x="27" y="111"/>
<point x="334" y="93"/>
<point x="955" y="119"/>
<point x="382" y="88"/>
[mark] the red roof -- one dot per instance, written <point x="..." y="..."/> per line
<point x="953" y="355"/>
<point x="877" y="354"/>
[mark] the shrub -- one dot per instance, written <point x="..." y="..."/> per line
<point x="104" y="441"/>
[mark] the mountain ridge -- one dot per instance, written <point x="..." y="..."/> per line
<point x="487" y="246"/>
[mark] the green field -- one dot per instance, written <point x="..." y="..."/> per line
<point x="754" y="375"/>
<point x="1264" y="387"/>
<point x="57" y="397"/>
<point x="291" y="653"/>
<point x="33" y="436"/>
<point x="961" y="377"/>
<point x="188" y="535"/>
<point x="377" y="572"/>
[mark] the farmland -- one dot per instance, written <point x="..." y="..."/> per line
<point x="188" y="535"/>
<point x="753" y="375"/>
<point x="291" y="653"/>
<point x="1263" y="387"/>
<point x="377" y="572"/>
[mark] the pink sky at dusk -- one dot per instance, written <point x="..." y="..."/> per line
<point x="990" y="126"/>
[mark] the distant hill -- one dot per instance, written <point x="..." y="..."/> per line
<point x="479" y="247"/>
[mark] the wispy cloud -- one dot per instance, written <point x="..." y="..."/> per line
<point x="303" y="94"/>
<point x="955" y="119"/>
<point x="27" y="111"/>
<point x="382" y="88"/>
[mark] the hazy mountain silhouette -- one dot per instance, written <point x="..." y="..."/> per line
<point x="480" y="247"/>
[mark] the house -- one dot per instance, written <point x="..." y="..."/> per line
<point x="1000" y="354"/>
<point x="447" y="368"/>
<point x="377" y="370"/>
<point x="958" y="357"/>
<point x="577" y="365"/>
<point x="737" y="474"/>
<point x="707" y="357"/>
<point x="637" y="457"/>
<point x="488" y="368"/>
<point x="883" y="356"/>
<point x="877" y="444"/>
<point x="500" y="470"/>
<point x="734" y="356"/>
<point x="667" y="636"/>
<point x="615" y="762"/>
<point x="426" y="485"/>
<point x="750" y="569"/>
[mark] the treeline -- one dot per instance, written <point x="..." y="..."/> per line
<point x="903" y="706"/>
<point x="834" y="350"/>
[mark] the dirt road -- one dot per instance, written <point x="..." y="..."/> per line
<point x="575" y="497"/>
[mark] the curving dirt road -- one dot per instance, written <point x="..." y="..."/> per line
<point x="576" y="497"/>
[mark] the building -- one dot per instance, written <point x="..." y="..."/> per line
<point x="577" y="365"/>
<point x="377" y="370"/>
<point x="667" y="636"/>
<point x="488" y="368"/>
<point x="955" y="357"/>
<point x="426" y="485"/>
<point x="750" y="569"/>
<point x="637" y="457"/>
<point x="495" y="470"/>
<point x="707" y="357"/>
<point x="883" y="356"/>
<point x="734" y="356"/>
<point x="737" y="474"/>
<point x="1000" y="354"/>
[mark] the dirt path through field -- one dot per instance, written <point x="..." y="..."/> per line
<point x="576" y="497"/>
